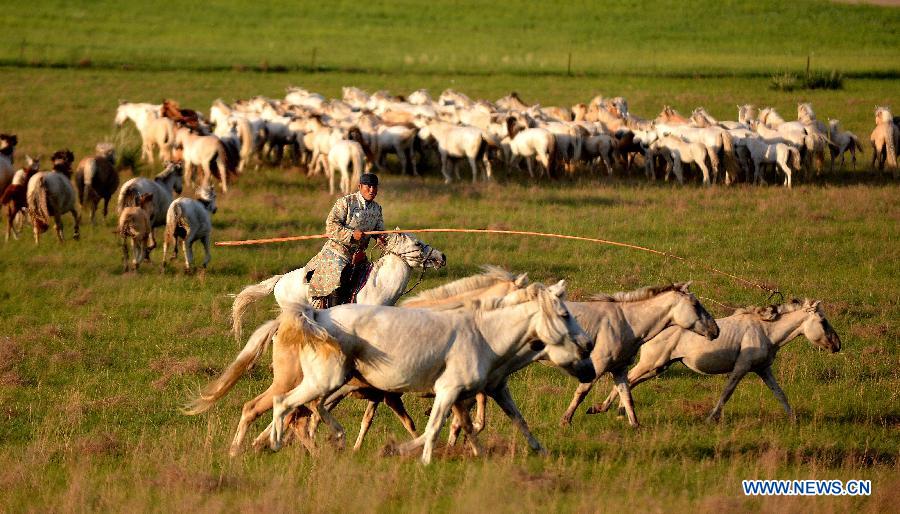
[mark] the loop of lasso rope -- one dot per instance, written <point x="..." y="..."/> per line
<point x="772" y="292"/>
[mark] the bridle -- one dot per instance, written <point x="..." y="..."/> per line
<point x="420" y="262"/>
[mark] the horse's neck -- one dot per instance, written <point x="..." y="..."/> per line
<point x="786" y="328"/>
<point x="648" y="317"/>
<point x="385" y="285"/>
<point x="507" y="330"/>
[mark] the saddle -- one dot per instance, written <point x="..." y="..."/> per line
<point x="353" y="279"/>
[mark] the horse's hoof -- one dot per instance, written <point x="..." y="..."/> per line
<point x="565" y="422"/>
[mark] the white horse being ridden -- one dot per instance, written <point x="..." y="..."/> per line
<point x="457" y="143"/>
<point x="762" y="153"/>
<point x="190" y="220"/>
<point x="451" y="354"/>
<point x="749" y="341"/>
<point x="348" y="158"/>
<point x="619" y="324"/>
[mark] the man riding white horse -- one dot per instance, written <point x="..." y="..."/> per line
<point x="346" y="225"/>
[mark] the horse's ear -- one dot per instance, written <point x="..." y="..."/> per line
<point x="815" y="305"/>
<point x="521" y="280"/>
<point x="684" y="287"/>
<point x="558" y="289"/>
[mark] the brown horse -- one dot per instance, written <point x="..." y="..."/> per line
<point x="14" y="198"/>
<point x="97" y="178"/>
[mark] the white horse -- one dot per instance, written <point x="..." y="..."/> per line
<point x="50" y="193"/>
<point x="885" y="139"/>
<point x="678" y="151"/>
<point x="762" y="153"/>
<point x="842" y="142"/>
<point x="457" y="143"/>
<point x="619" y="324"/>
<point x="403" y="253"/>
<point x="206" y="152"/>
<point x="190" y="220"/>
<point x="348" y="158"/>
<point x="452" y="354"/>
<point x="163" y="187"/>
<point x="156" y="131"/>
<point x="531" y="143"/>
<point x="749" y="341"/>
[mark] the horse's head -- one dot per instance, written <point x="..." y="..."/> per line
<point x="207" y="196"/>
<point x="817" y="329"/>
<point x="883" y="115"/>
<point x="173" y="175"/>
<point x="106" y="151"/>
<point x="805" y="111"/>
<point x="414" y="252"/>
<point x="689" y="313"/>
<point x="62" y="160"/>
<point x="121" y="114"/>
<point x="8" y="141"/>
<point x="564" y="341"/>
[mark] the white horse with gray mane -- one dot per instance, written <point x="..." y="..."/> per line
<point x="748" y="342"/>
<point x="620" y="323"/>
<point x="348" y="158"/>
<point x="156" y="131"/>
<point x="842" y="141"/>
<point x="455" y="142"/>
<point x="453" y="354"/>
<point x="190" y="220"/>
<point x="762" y="153"/>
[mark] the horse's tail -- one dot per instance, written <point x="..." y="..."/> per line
<point x="248" y="295"/>
<point x="855" y="142"/>
<point x="553" y="156"/>
<point x="482" y="149"/>
<point x="88" y="172"/>
<point x="891" y="148"/>
<point x="37" y="204"/>
<point x="357" y="158"/>
<point x="10" y="193"/>
<point x="297" y="326"/>
<point x="215" y="390"/>
<point x="128" y="197"/>
<point x="795" y="157"/>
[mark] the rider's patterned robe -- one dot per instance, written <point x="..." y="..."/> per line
<point x="349" y="213"/>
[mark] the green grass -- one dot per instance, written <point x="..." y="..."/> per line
<point x="94" y="363"/>
<point x="651" y="38"/>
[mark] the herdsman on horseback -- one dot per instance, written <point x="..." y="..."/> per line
<point x="346" y="225"/>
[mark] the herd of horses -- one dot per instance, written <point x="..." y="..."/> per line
<point x="462" y="341"/>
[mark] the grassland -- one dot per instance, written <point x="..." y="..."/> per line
<point x="94" y="363"/>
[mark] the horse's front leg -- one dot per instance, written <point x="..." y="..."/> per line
<point x="769" y="379"/>
<point x="206" y="248"/>
<point x="395" y="403"/>
<point x="461" y="413"/>
<point x="505" y="401"/>
<point x="474" y="166"/>
<point x="580" y="393"/>
<point x="187" y="244"/>
<point x="365" y="423"/>
<point x="443" y="401"/>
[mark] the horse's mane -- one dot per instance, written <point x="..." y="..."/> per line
<point x="644" y="293"/>
<point x="775" y="311"/>
<point x="490" y="276"/>
<point x="171" y="168"/>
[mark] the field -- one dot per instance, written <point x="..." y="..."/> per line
<point x="95" y="363"/>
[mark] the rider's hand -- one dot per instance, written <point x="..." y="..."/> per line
<point x="358" y="234"/>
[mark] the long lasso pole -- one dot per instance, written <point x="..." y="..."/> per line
<point x="744" y="281"/>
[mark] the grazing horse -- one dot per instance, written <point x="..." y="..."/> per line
<point x="749" y="341"/>
<point x="885" y="140"/>
<point x="531" y="143"/>
<point x="206" y="152"/>
<point x="453" y="354"/>
<point x="96" y="178"/>
<point x="388" y="278"/>
<point x="457" y="143"/>
<point x="190" y="220"/>
<point x="134" y="227"/>
<point x="14" y="198"/>
<point x="50" y="193"/>
<point x="163" y="187"/>
<point x="620" y="323"/>
<point x="349" y="158"/>
<point x="842" y="141"/>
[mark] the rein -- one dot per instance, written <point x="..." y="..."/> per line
<point x="749" y="283"/>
